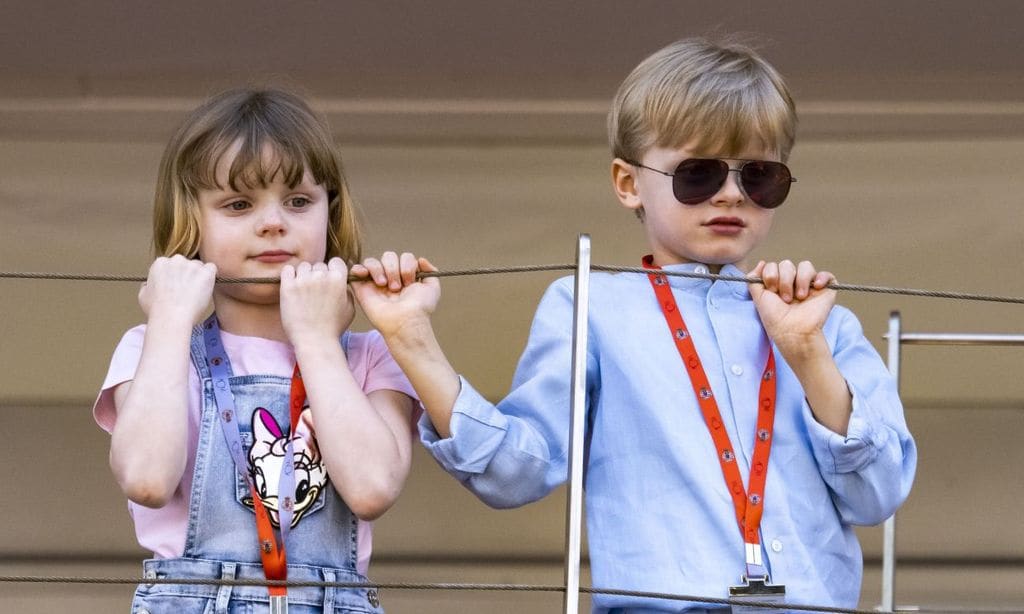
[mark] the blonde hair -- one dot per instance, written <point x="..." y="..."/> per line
<point x="718" y="98"/>
<point x="257" y="119"/>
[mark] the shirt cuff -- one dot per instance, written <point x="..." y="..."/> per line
<point x="860" y="446"/>
<point x="477" y="429"/>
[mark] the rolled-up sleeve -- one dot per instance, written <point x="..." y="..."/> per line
<point x="514" y="453"/>
<point x="869" y="470"/>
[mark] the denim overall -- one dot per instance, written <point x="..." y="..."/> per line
<point x="221" y="540"/>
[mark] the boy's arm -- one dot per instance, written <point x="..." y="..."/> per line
<point x="856" y="424"/>
<point x="399" y="306"/>
<point x="794" y="303"/>
<point x="509" y="454"/>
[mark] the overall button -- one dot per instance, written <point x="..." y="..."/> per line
<point x="776" y="545"/>
<point x="736" y="370"/>
<point x="701" y="269"/>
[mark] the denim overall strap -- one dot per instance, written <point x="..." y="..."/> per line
<point x="272" y="553"/>
<point x="220" y="540"/>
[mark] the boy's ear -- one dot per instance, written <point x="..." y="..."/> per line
<point x="625" y="185"/>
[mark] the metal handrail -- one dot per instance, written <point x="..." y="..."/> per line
<point x="897" y="339"/>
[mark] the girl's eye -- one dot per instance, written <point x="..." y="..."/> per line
<point x="237" y="205"/>
<point x="300" y="202"/>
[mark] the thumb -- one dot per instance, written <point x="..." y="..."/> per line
<point x="756" y="288"/>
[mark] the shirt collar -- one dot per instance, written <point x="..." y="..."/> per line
<point x="702" y="285"/>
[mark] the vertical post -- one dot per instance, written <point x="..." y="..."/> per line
<point x="889" y="528"/>
<point x="574" y="505"/>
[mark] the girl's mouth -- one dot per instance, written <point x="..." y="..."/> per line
<point x="273" y="256"/>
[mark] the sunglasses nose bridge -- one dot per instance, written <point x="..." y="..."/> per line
<point x="723" y="194"/>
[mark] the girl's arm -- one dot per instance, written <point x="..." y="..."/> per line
<point x="364" y="439"/>
<point x="148" y="444"/>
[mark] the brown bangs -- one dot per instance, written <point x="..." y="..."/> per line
<point x="727" y="117"/>
<point x="272" y="144"/>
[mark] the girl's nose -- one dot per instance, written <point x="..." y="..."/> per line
<point x="271" y="220"/>
<point x="730" y="194"/>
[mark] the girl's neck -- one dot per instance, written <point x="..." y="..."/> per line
<point x="250" y="319"/>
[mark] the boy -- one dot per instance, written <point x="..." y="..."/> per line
<point x="688" y="380"/>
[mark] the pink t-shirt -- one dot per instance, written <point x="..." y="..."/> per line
<point x="163" y="530"/>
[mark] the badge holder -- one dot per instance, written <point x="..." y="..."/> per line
<point x="757" y="587"/>
<point x="279" y="604"/>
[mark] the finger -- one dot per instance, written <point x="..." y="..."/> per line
<point x="391" y="269"/>
<point x="375" y="269"/>
<point x="756" y="289"/>
<point x="408" y="267"/>
<point x="319" y="267"/>
<point x="426" y="265"/>
<point x="823" y="279"/>
<point x="287" y="276"/>
<point x="770" y="277"/>
<point x="805" y="275"/>
<point x="359" y="272"/>
<point x="337" y="265"/>
<point x="787" y="279"/>
<point x="303" y="268"/>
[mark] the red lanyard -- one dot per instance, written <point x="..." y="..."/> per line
<point x="749" y="505"/>
<point x="274" y="556"/>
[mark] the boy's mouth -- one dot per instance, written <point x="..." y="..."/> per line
<point x="726" y="225"/>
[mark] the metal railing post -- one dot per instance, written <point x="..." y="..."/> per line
<point x="889" y="528"/>
<point x="574" y="505"/>
<point x="897" y="339"/>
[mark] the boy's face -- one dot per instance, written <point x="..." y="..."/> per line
<point x="721" y="230"/>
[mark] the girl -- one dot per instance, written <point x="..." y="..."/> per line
<point x="230" y="472"/>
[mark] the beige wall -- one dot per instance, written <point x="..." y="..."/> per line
<point x="938" y="214"/>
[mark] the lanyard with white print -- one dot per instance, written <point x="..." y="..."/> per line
<point x="273" y="556"/>
<point x="749" y="503"/>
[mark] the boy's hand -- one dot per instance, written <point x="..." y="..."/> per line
<point x="178" y="287"/>
<point x="315" y="301"/>
<point x="391" y="296"/>
<point x="793" y="303"/>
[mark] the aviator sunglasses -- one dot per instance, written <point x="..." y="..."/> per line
<point x="698" y="179"/>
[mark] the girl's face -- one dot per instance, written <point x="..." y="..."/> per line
<point x="255" y="231"/>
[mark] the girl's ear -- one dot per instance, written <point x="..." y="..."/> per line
<point x="624" y="182"/>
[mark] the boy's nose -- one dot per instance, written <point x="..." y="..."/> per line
<point x="730" y="193"/>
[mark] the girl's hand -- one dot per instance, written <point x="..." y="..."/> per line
<point x="391" y="296"/>
<point x="178" y="288"/>
<point x="793" y="303"/>
<point x="315" y="301"/>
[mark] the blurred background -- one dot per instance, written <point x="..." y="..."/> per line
<point x="473" y="133"/>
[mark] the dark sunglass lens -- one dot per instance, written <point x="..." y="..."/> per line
<point x="766" y="183"/>
<point x="698" y="179"/>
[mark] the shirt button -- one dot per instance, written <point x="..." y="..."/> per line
<point x="736" y="370"/>
<point x="776" y="545"/>
<point x="700" y="268"/>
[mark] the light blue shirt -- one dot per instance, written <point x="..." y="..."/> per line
<point x="659" y="516"/>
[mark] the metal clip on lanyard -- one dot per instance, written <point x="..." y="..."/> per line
<point x="749" y="505"/>
<point x="273" y="556"/>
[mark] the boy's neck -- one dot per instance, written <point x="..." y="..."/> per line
<point x="250" y="319"/>
<point x="712" y="268"/>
